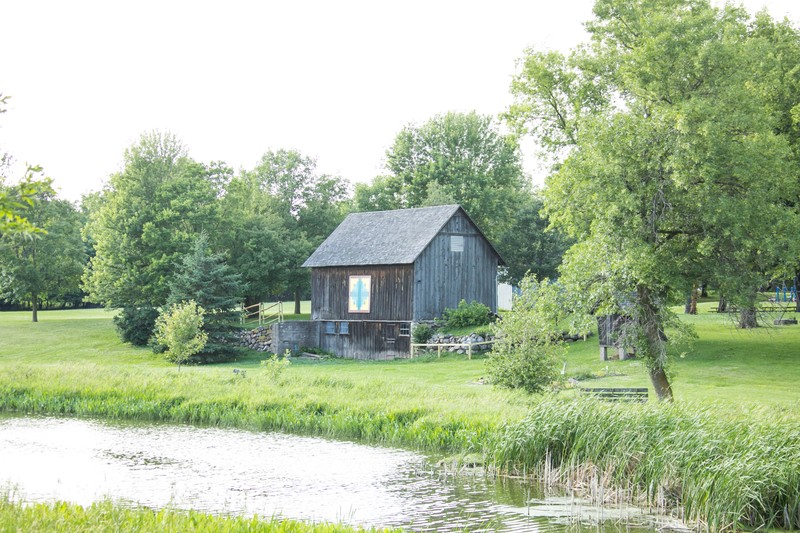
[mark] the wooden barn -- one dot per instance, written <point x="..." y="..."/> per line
<point x="381" y="272"/>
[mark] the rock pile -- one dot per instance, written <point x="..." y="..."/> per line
<point x="259" y="339"/>
<point x="477" y="342"/>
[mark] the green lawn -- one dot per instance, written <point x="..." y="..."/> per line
<point x="73" y="362"/>
<point x="725" y="364"/>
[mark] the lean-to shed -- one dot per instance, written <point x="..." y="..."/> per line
<point x="380" y="272"/>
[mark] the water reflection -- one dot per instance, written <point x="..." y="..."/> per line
<point x="227" y="471"/>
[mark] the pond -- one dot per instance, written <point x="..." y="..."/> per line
<point x="226" y="471"/>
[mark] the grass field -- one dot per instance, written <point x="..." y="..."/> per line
<point x="735" y="426"/>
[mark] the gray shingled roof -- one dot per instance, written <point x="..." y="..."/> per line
<point x="381" y="237"/>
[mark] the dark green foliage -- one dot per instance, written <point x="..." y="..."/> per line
<point x="206" y="278"/>
<point x="536" y="250"/>
<point x="466" y="315"/>
<point x="422" y="333"/>
<point x="275" y="217"/>
<point x="136" y="324"/>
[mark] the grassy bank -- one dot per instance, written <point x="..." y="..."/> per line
<point x="727" y="452"/>
<point x="72" y="363"/>
<point x="105" y="516"/>
<point x="720" y="469"/>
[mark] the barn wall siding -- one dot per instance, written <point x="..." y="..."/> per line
<point x="390" y="293"/>
<point x="442" y="277"/>
<point x="366" y="340"/>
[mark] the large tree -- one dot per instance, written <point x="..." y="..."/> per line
<point x="146" y="221"/>
<point x="666" y="157"/>
<point x="464" y="158"/>
<point x="279" y="212"/>
<point x="45" y="266"/>
<point x="205" y="278"/>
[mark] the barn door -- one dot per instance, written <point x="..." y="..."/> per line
<point x="389" y="335"/>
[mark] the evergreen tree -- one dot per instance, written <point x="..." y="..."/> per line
<point x="205" y="278"/>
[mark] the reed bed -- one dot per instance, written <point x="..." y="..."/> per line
<point x="106" y="516"/>
<point x="717" y="469"/>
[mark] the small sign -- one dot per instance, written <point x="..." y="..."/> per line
<point x="360" y="290"/>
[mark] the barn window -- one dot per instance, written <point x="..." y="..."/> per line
<point x="344" y="328"/>
<point x="456" y="243"/>
<point x="405" y="330"/>
<point x="330" y="328"/>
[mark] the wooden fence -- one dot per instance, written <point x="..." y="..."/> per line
<point x="438" y="346"/>
<point x="266" y="314"/>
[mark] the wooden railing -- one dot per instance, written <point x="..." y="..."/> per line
<point x="265" y="314"/>
<point x="469" y="345"/>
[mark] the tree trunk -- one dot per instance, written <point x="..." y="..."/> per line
<point x="35" y="307"/>
<point x="722" y="306"/>
<point x="797" y="292"/>
<point x="660" y="381"/>
<point x="703" y="290"/>
<point x="690" y="308"/>
<point x="297" y="301"/>
<point x="747" y="317"/>
<point x="655" y="341"/>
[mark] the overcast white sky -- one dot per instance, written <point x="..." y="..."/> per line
<point x="335" y="80"/>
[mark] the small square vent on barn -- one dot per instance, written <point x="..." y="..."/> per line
<point x="380" y="272"/>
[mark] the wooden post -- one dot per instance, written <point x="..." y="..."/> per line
<point x="469" y="351"/>
<point x="439" y="355"/>
<point x="603" y="352"/>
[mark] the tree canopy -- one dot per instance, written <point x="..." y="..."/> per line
<point x="47" y="265"/>
<point x="147" y="220"/>
<point x="463" y="158"/>
<point x="666" y="158"/>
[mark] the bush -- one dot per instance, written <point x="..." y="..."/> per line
<point x="180" y="329"/>
<point x="274" y="366"/>
<point x="529" y="367"/>
<point x="422" y="333"/>
<point x="467" y="315"/>
<point x="529" y="341"/>
<point x="136" y="324"/>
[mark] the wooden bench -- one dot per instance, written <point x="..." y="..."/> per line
<point x="618" y="394"/>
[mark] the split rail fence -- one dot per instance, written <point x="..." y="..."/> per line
<point x="469" y="345"/>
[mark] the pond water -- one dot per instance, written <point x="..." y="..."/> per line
<point x="225" y="471"/>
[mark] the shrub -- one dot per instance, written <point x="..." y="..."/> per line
<point x="136" y="324"/>
<point x="275" y="366"/>
<point x="180" y="329"/>
<point x="529" y="343"/>
<point x="467" y="314"/>
<point x="422" y="333"/>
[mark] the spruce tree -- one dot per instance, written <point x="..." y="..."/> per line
<point x="206" y="278"/>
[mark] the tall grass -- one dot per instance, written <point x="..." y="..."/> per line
<point x="383" y="411"/>
<point x="105" y="516"/>
<point x="722" y="472"/>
